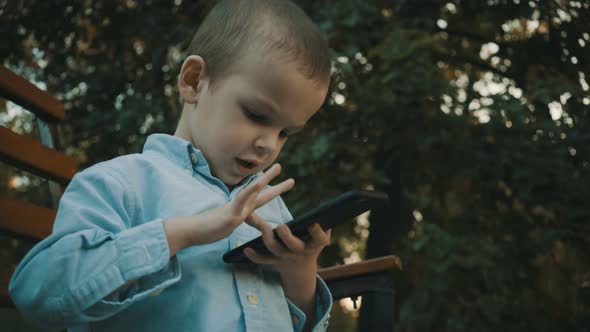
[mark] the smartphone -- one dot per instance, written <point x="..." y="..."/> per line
<point x="328" y="214"/>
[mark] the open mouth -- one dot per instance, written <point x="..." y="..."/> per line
<point x="246" y="164"/>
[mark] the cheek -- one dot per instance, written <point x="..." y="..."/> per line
<point x="240" y="130"/>
<point x="233" y="136"/>
<point x="278" y="151"/>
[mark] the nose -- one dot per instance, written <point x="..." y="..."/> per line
<point x="267" y="143"/>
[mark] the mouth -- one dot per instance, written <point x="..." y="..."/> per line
<point x="248" y="165"/>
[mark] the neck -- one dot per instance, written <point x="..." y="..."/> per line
<point x="182" y="129"/>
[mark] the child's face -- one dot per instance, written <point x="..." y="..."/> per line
<point x="242" y="122"/>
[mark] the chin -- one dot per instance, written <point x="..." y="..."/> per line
<point x="232" y="181"/>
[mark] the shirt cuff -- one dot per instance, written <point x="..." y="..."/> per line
<point x="323" y="308"/>
<point x="142" y="250"/>
<point x="143" y="260"/>
<point x="140" y="289"/>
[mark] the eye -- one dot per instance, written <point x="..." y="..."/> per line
<point x="255" y="116"/>
<point x="283" y="134"/>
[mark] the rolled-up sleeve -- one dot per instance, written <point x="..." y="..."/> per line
<point x="95" y="249"/>
<point x="323" y="295"/>
<point x="323" y="307"/>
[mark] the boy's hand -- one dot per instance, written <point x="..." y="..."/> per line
<point x="232" y="214"/>
<point x="218" y="223"/>
<point x="295" y="253"/>
<point x="254" y="196"/>
<point x="296" y="261"/>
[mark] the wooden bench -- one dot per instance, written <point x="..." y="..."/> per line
<point x="20" y="218"/>
<point x="40" y="158"/>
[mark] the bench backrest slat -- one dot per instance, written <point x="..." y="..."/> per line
<point x="376" y="265"/>
<point x="25" y="218"/>
<point x="26" y="94"/>
<point x="32" y="156"/>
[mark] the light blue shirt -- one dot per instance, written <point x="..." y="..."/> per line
<point x="109" y="231"/>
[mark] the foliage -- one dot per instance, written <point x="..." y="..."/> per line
<point x="491" y="152"/>
<point x="475" y="113"/>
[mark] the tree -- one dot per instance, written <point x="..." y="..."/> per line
<point x="492" y="245"/>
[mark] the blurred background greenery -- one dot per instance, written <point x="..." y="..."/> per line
<point x="472" y="115"/>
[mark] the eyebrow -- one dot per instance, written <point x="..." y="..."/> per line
<point x="269" y="107"/>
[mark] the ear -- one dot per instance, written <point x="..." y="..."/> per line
<point x="192" y="79"/>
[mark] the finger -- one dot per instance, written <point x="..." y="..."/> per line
<point x="268" y="194"/>
<point x="291" y="241"/>
<point x="268" y="237"/>
<point x="257" y="258"/>
<point x="258" y="222"/>
<point x="319" y="237"/>
<point x="273" y="245"/>
<point x="270" y="174"/>
<point x="255" y="187"/>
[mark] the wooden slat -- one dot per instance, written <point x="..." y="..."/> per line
<point x="25" y="218"/>
<point x="380" y="282"/>
<point x="32" y="156"/>
<point x="360" y="269"/>
<point x="22" y="92"/>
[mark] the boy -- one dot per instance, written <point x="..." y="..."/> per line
<point x="138" y="240"/>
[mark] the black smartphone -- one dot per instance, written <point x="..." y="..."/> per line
<point x="328" y="214"/>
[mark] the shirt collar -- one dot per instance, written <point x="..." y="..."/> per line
<point x="182" y="153"/>
<point x="173" y="148"/>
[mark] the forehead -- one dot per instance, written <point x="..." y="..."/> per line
<point x="278" y="82"/>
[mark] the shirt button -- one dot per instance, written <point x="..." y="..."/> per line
<point x="252" y="299"/>
<point x="188" y="171"/>
<point x="194" y="158"/>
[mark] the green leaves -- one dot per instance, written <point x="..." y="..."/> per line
<point x="400" y="44"/>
